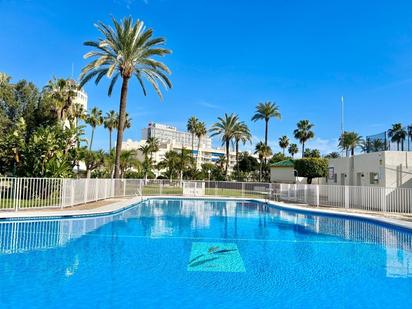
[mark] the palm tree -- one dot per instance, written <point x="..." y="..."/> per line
<point x="409" y="136"/>
<point x="170" y="163"/>
<point x="265" y="111"/>
<point x="147" y="162"/>
<point x="94" y="119"/>
<point x="191" y="128"/>
<point x="92" y="160"/>
<point x="293" y="149"/>
<point x="125" y="51"/>
<point x="283" y="143"/>
<point x="128" y="160"/>
<point x="62" y="92"/>
<point x="226" y="128"/>
<point x="304" y="133"/>
<point x="127" y="122"/>
<point x="241" y="134"/>
<point x="348" y="141"/>
<point x="263" y="151"/>
<point x="110" y="123"/>
<point x="200" y="131"/>
<point x="154" y="145"/>
<point x="397" y="134"/>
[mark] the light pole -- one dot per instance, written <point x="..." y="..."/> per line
<point x="209" y="172"/>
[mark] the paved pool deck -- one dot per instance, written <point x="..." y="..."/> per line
<point x="118" y="204"/>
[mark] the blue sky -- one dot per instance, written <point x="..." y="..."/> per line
<point x="230" y="55"/>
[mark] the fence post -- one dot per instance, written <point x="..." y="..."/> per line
<point x="305" y="192"/>
<point x="72" y="193"/>
<point x="161" y="187"/>
<point x="243" y="189"/>
<point x="62" y="193"/>
<point x="346" y="188"/>
<point x="16" y="192"/>
<point x="96" y="188"/>
<point x="124" y="187"/>
<point x="317" y="195"/>
<point x="86" y="187"/>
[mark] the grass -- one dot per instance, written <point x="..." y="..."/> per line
<point x="156" y="189"/>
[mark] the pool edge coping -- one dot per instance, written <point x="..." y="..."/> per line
<point x="123" y="205"/>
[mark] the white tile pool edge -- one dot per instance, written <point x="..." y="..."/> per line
<point x="119" y="206"/>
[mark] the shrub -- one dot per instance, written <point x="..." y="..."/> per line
<point x="311" y="168"/>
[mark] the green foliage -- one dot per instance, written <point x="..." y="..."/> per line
<point x="277" y="157"/>
<point x="311" y="153"/>
<point x="311" y="168"/>
<point x="348" y="141"/>
<point x="332" y="155"/>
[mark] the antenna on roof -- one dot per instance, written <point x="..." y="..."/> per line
<point x="342" y="129"/>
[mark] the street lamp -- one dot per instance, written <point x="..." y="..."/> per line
<point x="209" y="172"/>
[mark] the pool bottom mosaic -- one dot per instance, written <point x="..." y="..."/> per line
<point x="217" y="257"/>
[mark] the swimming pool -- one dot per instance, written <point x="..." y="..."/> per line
<point x="167" y="253"/>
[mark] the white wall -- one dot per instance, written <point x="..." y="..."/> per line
<point x="392" y="168"/>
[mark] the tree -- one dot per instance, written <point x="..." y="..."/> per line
<point x="62" y="92"/>
<point x="348" y="141"/>
<point x="225" y="128"/>
<point x="293" y="149"/>
<point x="311" y="168"/>
<point x="154" y="145"/>
<point x="332" y="155"/>
<point x="110" y="122"/>
<point x="94" y="119"/>
<point x="241" y="134"/>
<point x="191" y="128"/>
<point x="170" y="163"/>
<point x="409" y="129"/>
<point x="127" y="122"/>
<point x="247" y="165"/>
<point x="263" y="152"/>
<point x="283" y="143"/>
<point x="92" y="160"/>
<point x="147" y="162"/>
<point x="265" y="111"/>
<point x="125" y="51"/>
<point x="128" y="160"/>
<point x="303" y="133"/>
<point x="277" y="157"/>
<point x="397" y="134"/>
<point x="311" y="153"/>
<point x="200" y="131"/>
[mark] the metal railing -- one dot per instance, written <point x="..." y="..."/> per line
<point x="37" y="193"/>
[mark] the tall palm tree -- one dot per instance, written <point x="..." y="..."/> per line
<point x="397" y="134"/>
<point x="283" y="143"/>
<point x="225" y="128"/>
<point x="265" y="111"/>
<point x="147" y="162"/>
<point x="191" y="128"/>
<point x="125" y="51"/>
<point x="409" y="136"/>
<point x="62" y="92"/>
<point x="127" y="122"/>
<point x="170" y="163"/>
<point x="110" y="123"/>
<point x="264" y="152"/>
<point x="293" y="149"/>
<point x="154" y="145"/>
<point x="94" y="119"/>
<point x="304" y="132"/>
<point x="348" y="141"/>
<point x="200" y="131"/>
<point x="241" y="134"/>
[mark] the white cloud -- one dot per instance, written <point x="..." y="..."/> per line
<point x="325" y="146"/>
<point x="208" y="105"/>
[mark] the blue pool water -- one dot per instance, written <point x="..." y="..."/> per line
<point x="204" y="254"/>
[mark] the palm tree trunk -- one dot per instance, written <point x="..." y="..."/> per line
<point x="110" y="140"/>
<point x="303" y="149"/>
<point x="198" y="148"/>
<point x="266" y="131"/>
<point x="237" y="157"/>
<point x="283" y="151"/>
<point x="91" y="139"/>
<point x="193" y="144"/>
<point x="227" y="158"/>
<point x="122" y="118"/>
<point x="352" y="151"/>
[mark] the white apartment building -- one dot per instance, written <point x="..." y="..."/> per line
<point x="171" y="139"/>
<point x="383" y="169"/>
<point x="169" y="134"/>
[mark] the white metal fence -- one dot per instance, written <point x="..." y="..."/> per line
<point x="32" y="193"/>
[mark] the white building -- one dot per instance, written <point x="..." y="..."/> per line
<point x="172" y="139"/>
<point x="169" y="134"/>
<point x="383" y="169"/>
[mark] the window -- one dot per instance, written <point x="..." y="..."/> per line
<point x="374" y="178"/>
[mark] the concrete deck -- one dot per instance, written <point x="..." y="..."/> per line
<point x="116" y="205"/>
